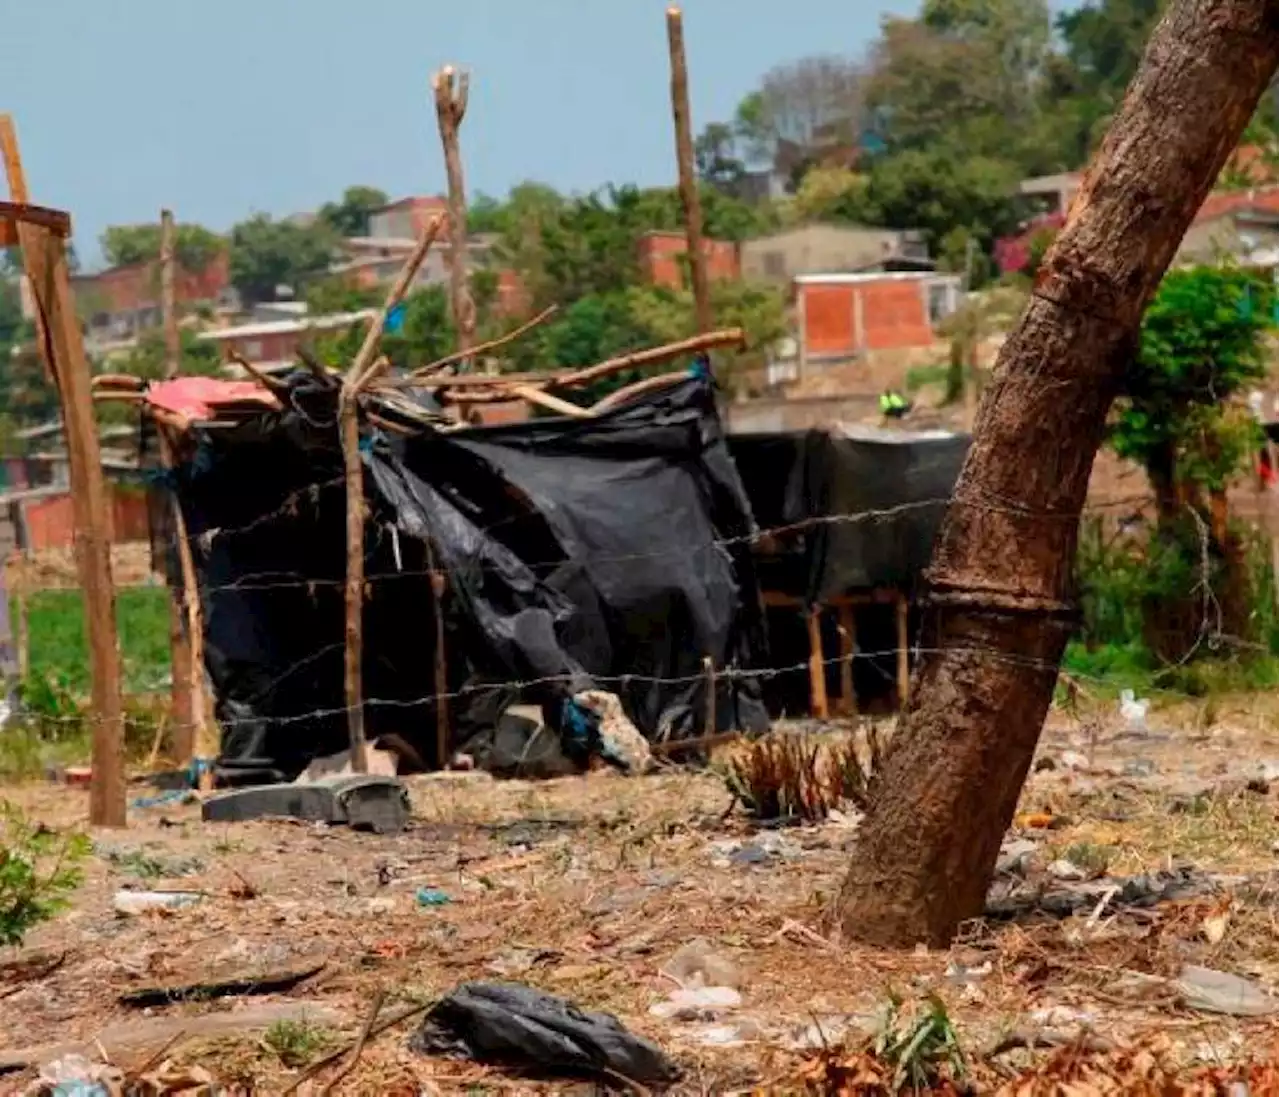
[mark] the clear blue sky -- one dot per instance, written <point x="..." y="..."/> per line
<point x="220" y="109"/>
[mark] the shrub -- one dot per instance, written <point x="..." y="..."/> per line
<point x="39" y="869"/>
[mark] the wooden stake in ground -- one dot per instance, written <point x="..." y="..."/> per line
<point x="362" y="372"/>
<point x="997" y="612"/>
<point x="684" y="163"/>
<point x="44" y="258"/>
<point x="183" y="673"/>
<point x="22" y="550"/>
<point x="451" y="107"/>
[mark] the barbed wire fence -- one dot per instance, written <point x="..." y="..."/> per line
<point x="292" y="505"/>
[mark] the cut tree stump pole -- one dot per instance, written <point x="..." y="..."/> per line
<point x="997" y="609"/>
<point x="451" y="92"/>
<point x="183" y="670"/>
<point x="902" y="617"/>
<point x="689" y="198"/>
<point x="848" y="648"/>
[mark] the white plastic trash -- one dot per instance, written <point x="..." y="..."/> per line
<point x="139" y="902"/>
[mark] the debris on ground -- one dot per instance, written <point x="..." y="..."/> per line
<point x="360" y="801"/>
<point x="1221" y="992"/>
<point x="513" y="1025"/>
<point x="143" y="902"/>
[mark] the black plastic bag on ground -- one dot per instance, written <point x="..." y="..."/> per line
<point x="518" y="1026"/>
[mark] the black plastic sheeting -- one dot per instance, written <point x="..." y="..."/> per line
<point x="845" y="511"/>
<point x="609" y="553"/>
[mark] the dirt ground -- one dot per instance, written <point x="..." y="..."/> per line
<point x="586" y="887"/>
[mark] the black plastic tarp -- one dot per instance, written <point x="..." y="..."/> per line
<point x="609" y="553"/>
<point x="854" y="508"/>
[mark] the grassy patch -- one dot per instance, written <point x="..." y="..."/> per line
<point x="296" y="1043"/>
<point x="58" y="645"/>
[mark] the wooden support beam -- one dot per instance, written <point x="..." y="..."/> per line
<point x="684" y="163"/>
<point x="902" y="613"/>
<point x="182" y="713"/>
<point x="542" y="399"/>
<point x="483" y="348"/>
<point x="818" y="707"/>
<point x="44" y="257"/>
<point x="363" y="371"/>
<point x="441" y="665"/>
<point x="451" y="93"/>
<point x="848" y="648"/>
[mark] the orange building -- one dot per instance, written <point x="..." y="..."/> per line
<point x="839" y="316"/>
<point x="662" y="255"/>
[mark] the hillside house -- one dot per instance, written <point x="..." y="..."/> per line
<point x="273" y="343"/>
<point x="119" y="303"/>
<point x="843" y="315"/>
<point x="663" y="262"/>
<point x="811" y="249"/>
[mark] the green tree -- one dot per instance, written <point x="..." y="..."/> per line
<point x="833" y="194"/>
<point x="195" y="245"/>
<point x="1201" y="343"/>
<point x="198" y="357"/>
<point x="937" y="193"/>
<point x="350" y="217"/>
<point x="716" y="155"/>
<point x="267" y="254"/>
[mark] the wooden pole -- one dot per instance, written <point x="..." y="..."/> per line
<point x="999" y="604"/>
<point x="902" y="608"/>
<point x="44" y="257"/>
<point x="451" y="107"/>
<point x="183" y="671"/>
<point x="362" y="371"/>
<point x="709" y="672"/>
<point x="818" y="707"/>
<point x="684" y="164"/>
<point x="441" y="666"/>
<point x="848" y="645"/>
<point x="22" y="624"/>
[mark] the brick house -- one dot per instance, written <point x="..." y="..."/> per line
<point x="375" y="259"/>
<point x="120" y="302"/>
<point x="662" y="259"/>
<point x="840" y="316"/>
<point x="781" y="256"/>
<point x="275" y="342"/>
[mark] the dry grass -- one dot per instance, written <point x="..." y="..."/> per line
<point x="799" y="776"/>
<point x="586" y="886"/>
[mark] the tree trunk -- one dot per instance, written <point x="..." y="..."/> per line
<point x="997" y="611"/>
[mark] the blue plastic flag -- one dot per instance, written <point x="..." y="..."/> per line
<point x="395" y="320"/>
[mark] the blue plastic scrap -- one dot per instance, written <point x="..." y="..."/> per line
<point x="432" y="897"/>
<point x="395" y="320"/>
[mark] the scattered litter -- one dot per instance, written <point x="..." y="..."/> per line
<point x="1143" y="890"/>
<point x="76" y="1076"/>
<point x="761" y="850"/>
<point x="825" y="1032"/>
<point x="962" y="975"/>
<point x="1015" y="857"/>
<point x="140" y="902"/>
<point x="1213" y="991"/>
<point x="1139" y="767"/>
<point x="1062" y="869"/>
<point x="519" y="959"/>
<point x="697" y="1003"/>
<point x="1036" y="820"/>
<point x="1133" y="711"/>
<point x="1063" y="1017"/>
<point x="518" y="1026"/>
<point x="1073" y="759"/>
<point x="1215" y="927"/>
<point x="741" y="1032"/>
<point x="76" y="776"/>
<point x="175" y="797"/>
<point x="234" y="984"/>
<point x="432" y="897"/>
<point x="697" y="964"/>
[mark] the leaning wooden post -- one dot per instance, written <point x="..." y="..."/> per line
<point x="998" y="607"/>
<point x="902" y="611"/>
<point x="184" y="673"/>
<point x="44" y="259"/>
<point x="818" y="706"/>
<point x="684" y="163"/>
<point x="361" y="373"/>
<point x="451" y="107"/>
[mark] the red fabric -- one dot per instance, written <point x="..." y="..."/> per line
<point x="194" y="398"/>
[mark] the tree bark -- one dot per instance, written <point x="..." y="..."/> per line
<point x="998" y="608"/>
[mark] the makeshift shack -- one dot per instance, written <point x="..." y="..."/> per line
<point x="564" y="554"/>
<point x="848" y="516"/>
